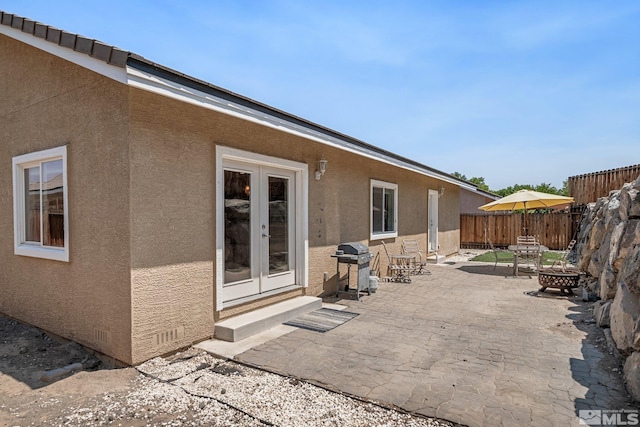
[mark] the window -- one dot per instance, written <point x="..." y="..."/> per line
<point x="40" y="204"/>
<point x="384" y="208"/>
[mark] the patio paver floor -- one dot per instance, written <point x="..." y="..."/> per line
<point x="465" y="344"/>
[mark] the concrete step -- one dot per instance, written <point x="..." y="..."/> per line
<point x="436" y="259"/>
<point x="245" y="325"/>
<point x="229" y="350"/>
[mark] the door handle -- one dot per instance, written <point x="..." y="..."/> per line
<point x="266" y="235"/>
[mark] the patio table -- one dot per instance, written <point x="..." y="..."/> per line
<point x="524" y="250"/>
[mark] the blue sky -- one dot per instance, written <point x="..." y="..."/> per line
<point x="515" y="92"/>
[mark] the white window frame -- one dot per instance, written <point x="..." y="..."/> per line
<point x="31" y="249"/>
<point x="385" y="186"/>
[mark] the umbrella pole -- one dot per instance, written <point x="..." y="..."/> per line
<point x="526" y="225"/>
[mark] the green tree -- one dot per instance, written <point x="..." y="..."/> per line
<point x="546" y="188"/>
<point x="459" y="176"/>
<point x="543" y="188"/>
<point x="477" y="180"/>
<point x="512" y="189"/>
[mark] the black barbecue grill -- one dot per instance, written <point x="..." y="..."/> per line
<point x="353" y="253"/>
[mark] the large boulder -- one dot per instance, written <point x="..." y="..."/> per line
<point x="628" y="200"/>
<point x="608" y="283"/>
<point x="600" y="257"/>
<point x="591" y="284"/>
<point x="591" y="234"/>
<point x="601" y="312"/>
<point x="614" y="245"/>
<point x="613" y="209"/>
<point x="634" y="195"/>
<point x="630" y="269"/>
<point x="597" y="234"/>
<point x="632" y="375"/>
<point x="583" y="255"/>
<point x="582" y="249"/>
<point x="606" y="234"/>
<point x="625" y="319"/>
<point x="627" y="240"/>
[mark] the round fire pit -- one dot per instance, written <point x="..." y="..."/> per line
<point x="557" y="279"/>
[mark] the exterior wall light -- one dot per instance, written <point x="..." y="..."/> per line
<point x="322" y="168"/>
<point x="441" y="193"/>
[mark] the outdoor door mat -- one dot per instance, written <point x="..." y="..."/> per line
<point x="322" y="320"/>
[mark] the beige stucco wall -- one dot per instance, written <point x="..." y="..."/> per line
<point x="47" y="102"/>
<point x="449" y="221"/>
<point x="142" y="207"/>
<point x="172" y="227"/>
<point x="173" y="158"/>
<point x="469" y="202"/>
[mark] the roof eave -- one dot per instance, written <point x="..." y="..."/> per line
<point x="116" y="63"/>
<point x="279" y="118"/>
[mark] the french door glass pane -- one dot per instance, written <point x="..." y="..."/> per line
<point x="52" y="204"/>
<point x="237" y="226"/>
<point x="278" y="225"/>
<point x="32" y="204"/>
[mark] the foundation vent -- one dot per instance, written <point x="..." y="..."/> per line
<point x="101" y="336"/>
<point x="170" y="335"/>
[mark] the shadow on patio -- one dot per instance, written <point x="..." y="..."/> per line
<point x="599" y="371"/>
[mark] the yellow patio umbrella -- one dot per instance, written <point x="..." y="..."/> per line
<point x="526" y="199"/>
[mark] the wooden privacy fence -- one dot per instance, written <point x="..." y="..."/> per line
<point x="554" y="230"/>
<point x="589" y="187"/>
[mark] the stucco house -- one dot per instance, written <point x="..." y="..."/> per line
<point x="471" y="200"/>
<point x="140" y="206"/>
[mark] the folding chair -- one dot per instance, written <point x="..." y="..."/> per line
<point x="396" y="272"/>
<point x="411" y="247"/>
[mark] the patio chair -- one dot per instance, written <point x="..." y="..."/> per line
<point x="396" y="272"/>
<point x="562" y="262"/>
<point x="411" y="247"/>
<point x="533" y="255"/>
<point x="526" y="240"/>
<point x="495" y="251"/>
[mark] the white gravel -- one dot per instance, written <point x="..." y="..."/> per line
<point x="194" y="388"/>
<point x="465" y="255"/>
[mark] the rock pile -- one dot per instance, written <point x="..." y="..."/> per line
<point x="608" y="249"/>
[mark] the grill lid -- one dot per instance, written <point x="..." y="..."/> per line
<point x="353" y="248"/>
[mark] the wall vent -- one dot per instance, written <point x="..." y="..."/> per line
<point x="170" y="335"/>
<point x="101" y="336"/>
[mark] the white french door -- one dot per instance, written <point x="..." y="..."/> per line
<point x="259" y="229"/>
<point x="277" y="229"/>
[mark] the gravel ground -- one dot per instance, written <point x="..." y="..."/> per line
<point x="191" y="388"/>
<point x="465" y="255"/>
